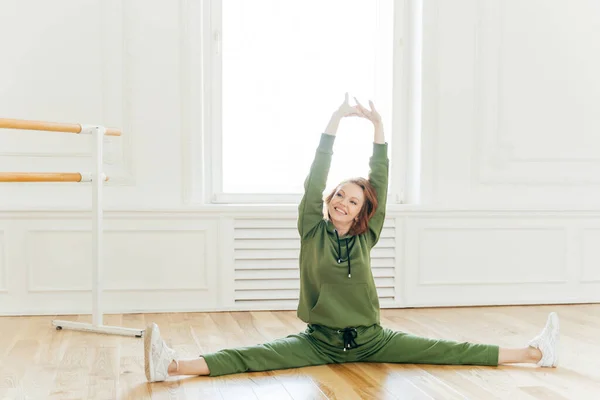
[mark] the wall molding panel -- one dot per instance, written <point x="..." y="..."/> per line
<point x="505" y="121"/>
<point x="507" y="153"/>
<point x="202" y="261"/>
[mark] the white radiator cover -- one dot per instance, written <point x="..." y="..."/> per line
<point x="266" y="263"/>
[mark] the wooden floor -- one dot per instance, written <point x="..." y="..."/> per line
<point x="38" y="362"/>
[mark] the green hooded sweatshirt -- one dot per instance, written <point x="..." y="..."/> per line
<point x="337" y="289"/>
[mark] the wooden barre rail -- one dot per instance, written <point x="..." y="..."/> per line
<point x="43" y="177"/>
<point x="48" y="126"/>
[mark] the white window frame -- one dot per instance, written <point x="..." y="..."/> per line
<point x="402" y="129"/>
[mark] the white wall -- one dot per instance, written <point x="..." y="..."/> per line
<point x="509" y="180"/>
<point x="510" y="100"/>
<point x="106" y="62"/>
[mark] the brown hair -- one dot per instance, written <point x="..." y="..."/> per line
<point x="361" y="224"/>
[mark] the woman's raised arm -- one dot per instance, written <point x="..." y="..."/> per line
<point x="310" y="210"/>
<point x="379" y="169"/>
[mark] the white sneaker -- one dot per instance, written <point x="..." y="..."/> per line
<point x="157" y="355"/>
<point x="548" y="342"/>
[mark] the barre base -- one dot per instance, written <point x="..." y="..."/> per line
<point x="87" y="327"/>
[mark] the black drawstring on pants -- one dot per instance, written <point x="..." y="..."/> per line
<point x="349" y="335"/>
<point x="340" y="260"/>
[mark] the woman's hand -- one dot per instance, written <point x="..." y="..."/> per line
<point x="372" y="115"/>
<point x="346" y="110"/>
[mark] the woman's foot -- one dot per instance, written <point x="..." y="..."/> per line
<point x="157" y="355"/>
<point x="548" y="342"/>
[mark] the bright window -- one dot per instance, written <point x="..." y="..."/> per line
<point x="285" y="67"/>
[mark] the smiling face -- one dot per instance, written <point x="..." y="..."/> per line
<point x="346" y="203"/>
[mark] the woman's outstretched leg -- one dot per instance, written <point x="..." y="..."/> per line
<point x="542" y="349"/>
<point x="293" y="351"/>
<point x="405" y="348"/>
<point x="160" y="361"/>
<point x="400" y="347"/>
<point x="547" y="342"/>
<point x="523" y="355"/>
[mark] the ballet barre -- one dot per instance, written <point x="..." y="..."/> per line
<point x="47" y="177"/>
<point x="50" y="126"/>
<point x="96" y="178"/>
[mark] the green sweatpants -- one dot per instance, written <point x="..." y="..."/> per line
<point x="319" y="345"/>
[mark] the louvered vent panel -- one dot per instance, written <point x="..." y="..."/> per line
<point x="266" y="264"/>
